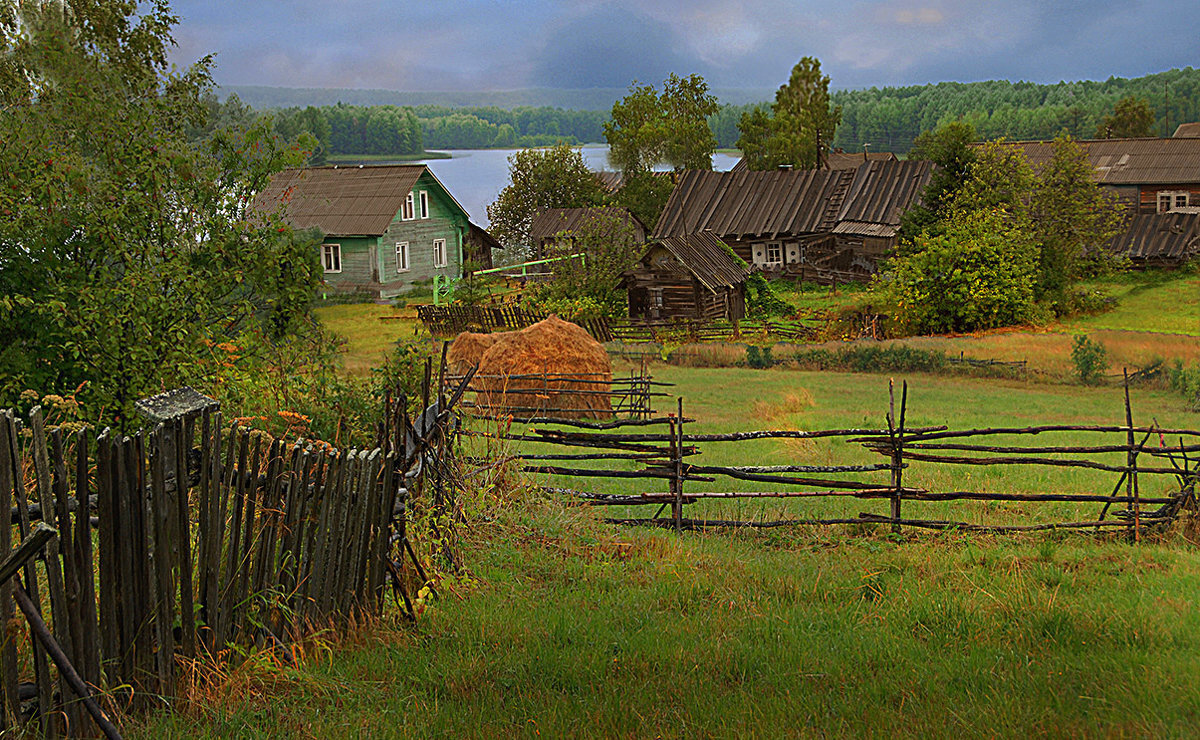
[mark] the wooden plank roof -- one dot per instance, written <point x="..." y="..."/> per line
<point x="344" y="201"/>
<point x="1130" y="161"/>
<point x="753" y="204"/>
<point x="1155" y="236"/>
<point x="866" y="200"/>
<point x="883" y="190"/>
<point x="703" y="255"/>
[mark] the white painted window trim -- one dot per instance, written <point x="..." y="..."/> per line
<point x="424" y="212"/>
<point x="402" y="257"/>
<point x="774" y="254"/>
<point x="406" y="213"/>
<point x="1168" y="200"/>
<point x="439" y="253"/>
<point x="334" y="265"/>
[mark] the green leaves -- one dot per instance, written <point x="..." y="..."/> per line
<point x="130" y="245"/>
<point x="648" y="128"/>
<point x="800" y="127"/>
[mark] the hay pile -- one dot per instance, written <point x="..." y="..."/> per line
<point x="577" y="372"/>
<point x="466" y="351"/>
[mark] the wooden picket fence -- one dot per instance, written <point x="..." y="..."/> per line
<point x="192" y="541"/>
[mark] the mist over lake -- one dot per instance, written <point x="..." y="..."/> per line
<point x="476" y="176"/>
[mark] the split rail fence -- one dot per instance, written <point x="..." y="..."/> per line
<point x="666" y="455"/>
<point x="537" y="396"/>
<point x="191" y="541"/>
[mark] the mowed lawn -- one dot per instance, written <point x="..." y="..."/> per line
<point x="563" y="626"/>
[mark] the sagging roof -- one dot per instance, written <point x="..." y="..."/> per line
<point x="344" y="201"/>
<point x="1170" y="236"/>
<point x="706" y="257"/>
<point x="867" y="200"/>
<point x="1130" y="161"/>
<point x="554" y="221"/>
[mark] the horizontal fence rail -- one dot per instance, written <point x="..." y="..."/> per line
<point x="668" y="456"/>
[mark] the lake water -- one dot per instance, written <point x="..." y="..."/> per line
<point x="476" y="176"/>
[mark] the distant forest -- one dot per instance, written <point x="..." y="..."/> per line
<point x="887" y="119"/>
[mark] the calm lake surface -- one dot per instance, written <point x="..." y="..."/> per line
<point x="476" y="176"/>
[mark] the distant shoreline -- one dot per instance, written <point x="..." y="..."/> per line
<point x="376" y="158"/>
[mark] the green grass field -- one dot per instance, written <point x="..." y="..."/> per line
<point x="561" y="625"/>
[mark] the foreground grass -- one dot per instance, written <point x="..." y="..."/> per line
<point x="586" y="632"/>
<point x="561" y="626"/>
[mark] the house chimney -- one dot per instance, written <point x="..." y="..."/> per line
<point x="865" y="157"/>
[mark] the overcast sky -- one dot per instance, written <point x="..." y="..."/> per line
<point x="466" y="45"/>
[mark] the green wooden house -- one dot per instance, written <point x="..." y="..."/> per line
<point x="386" y="227"/>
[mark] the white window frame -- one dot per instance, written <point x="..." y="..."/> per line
<point x="406" y="213"/>
<point x="439" y="253"/>
<point x="402" y="257"/>
<point x="331" y="258"/>
<point x="424" y="201"/>
<point x="1169" y="200"/>
<point x="774" y="253"/>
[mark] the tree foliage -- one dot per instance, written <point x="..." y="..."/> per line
<point x="1131" y="118"/>
<point x="800" y="127"/>
<point x="649" y="128"/>
<point x="609" y="246"/>
<point x="126" y="252"/>
<point x="949" y="148"/>
<point x="555" y="177"/>
<point x="979" y="273"/>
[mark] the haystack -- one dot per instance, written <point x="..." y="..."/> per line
<point x="552" y="368"/>
<point x="466" y="351"/>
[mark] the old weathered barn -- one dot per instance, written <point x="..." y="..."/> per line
<point x="1147" y="175"/>
<point x="821" y="225"/>
<point x="1150" y="177"/>
<point x="689" y="276"/>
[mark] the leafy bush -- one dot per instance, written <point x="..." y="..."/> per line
<point x="979" y="274"/>
<point x="762" y="302"/>
<point x="1090" y="358"/>
<point x="568" y="308"/>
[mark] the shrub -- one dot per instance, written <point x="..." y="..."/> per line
<point x="762" y="301"/>
<point x="1090" y="358"/>
<point x="979" y="274"/>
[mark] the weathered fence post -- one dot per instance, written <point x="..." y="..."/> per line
<point x="1131" y="481"/>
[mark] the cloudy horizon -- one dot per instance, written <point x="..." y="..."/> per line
<point x="489" y="45"/>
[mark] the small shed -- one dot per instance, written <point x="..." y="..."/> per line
<point x="696" y="276"/>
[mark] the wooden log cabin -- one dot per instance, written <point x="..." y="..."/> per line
<point x="695" y="276"/>
<point x="820" y="225"/>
